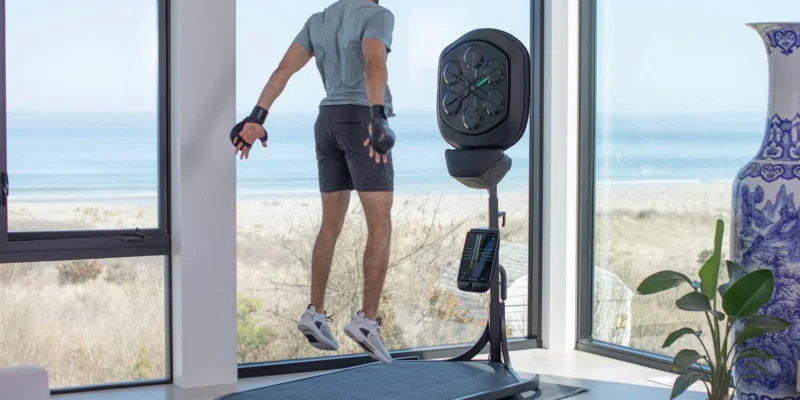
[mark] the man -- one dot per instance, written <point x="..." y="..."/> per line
<point x="350" y="41"/>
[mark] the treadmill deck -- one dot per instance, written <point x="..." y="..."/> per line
<point x="418" y="380"/>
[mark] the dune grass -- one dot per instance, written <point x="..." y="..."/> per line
<point x="102" y="321"/>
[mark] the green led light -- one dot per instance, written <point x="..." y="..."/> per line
<point x="483" y="82"/>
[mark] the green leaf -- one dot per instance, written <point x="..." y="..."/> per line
<point x="753" y="353"/>
<point x="683" y="382"/>
<point x="748" y="294"/>
<point x="674" y="336"/>
<point x="709" y="273"/>
<point x="661" y="281"/>
<point x="735" y="272"/>
<point x="694" y="301"/>
<point x="684" y="359"/>
<point x="758" y="325"/>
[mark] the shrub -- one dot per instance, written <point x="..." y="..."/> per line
<point x="10" y="273"/>
<point x="252" y="337"/>
<point x="144" y="367"/>
<point x="77" y="272"/>
<point x="119" y="274"/>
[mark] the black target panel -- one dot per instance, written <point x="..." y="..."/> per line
<point x="474" y="86"/>
<point x="484" y="90"/>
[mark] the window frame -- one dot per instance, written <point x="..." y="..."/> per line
<point x="17" y="247"/>
<point x="80" y="244"/>
<point x="586" y="204"/>
<point x="535" y="226"/>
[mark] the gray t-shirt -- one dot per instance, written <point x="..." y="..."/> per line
<point x="334" y="36"/>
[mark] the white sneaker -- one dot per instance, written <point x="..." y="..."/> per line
<point x="315" y="328"/>
<point x="368" y="335"/>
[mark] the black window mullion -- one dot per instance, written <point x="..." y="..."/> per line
<point x="61" y="235"/>
<point x="586" y="159"/>
<point x="3" y="124"/>
<point x="535" y="222"/>
<point x="163" y="118"/>
<point x="81" y="249"/>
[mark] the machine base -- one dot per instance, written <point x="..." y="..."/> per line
<point x="430" y="380"/>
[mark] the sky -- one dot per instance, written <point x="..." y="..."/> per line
<point x="654" y="57"/>
<point x="684" y="56"/>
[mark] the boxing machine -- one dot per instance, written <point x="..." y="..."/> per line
<point x="483" y="109"/>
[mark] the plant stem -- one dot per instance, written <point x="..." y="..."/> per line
<point x="732" y="347"/>
<point x="716" y="324"/>
<point x="725" y="349"/>
<point x="716" y="373"/>
<point x="714" y="335"/>
<point x="708" y="357"/>
<point x="708" y="390"/>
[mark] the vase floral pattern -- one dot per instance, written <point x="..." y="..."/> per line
<point x="766" y="221"/>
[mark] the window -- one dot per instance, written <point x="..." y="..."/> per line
<point x="279" y="207"/>
<point x="82" y="120"/>
<point x="674" y="102"/>
<point x="84" y="232"/>
<point x="87" y="322"/>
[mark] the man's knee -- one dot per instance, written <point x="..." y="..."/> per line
<point x="381" y="227"/>
<point x="331" y="227"/>
<point x="334" y="211"/>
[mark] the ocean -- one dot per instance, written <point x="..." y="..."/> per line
<point x="112" y="158"/>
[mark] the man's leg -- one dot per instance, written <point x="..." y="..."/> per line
<point x="335" y="185"/>
<point x="375" y="184"/>
<point x="365" y="326"/>
<point x="377" y="209"/>
<point x="334" y="210"/>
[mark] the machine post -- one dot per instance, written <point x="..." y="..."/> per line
<point x="496" y="334"/>
<point x="494" y="208"/>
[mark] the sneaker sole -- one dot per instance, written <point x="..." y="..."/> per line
<point x="361" y="341"/>
<point x="316" y="338"/>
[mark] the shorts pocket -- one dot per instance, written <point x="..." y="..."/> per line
<point x="351" y="136"/>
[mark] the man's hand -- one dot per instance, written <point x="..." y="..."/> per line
<point x="245" y="133"/>
<point x="374" y="154"/>
<point x="381" y="137"/>
<point x="251" y="132"/>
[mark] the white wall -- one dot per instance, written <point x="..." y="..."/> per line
<point x="203" y="91"/>
<point x="559" y="275"/>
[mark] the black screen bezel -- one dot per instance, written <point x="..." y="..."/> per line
<point x="461" y="266"/>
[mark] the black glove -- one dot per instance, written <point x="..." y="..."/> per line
<point x="258" y="116"/>
<point x="382" y="137"/>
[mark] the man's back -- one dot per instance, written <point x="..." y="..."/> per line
<point x="335" y="37"/>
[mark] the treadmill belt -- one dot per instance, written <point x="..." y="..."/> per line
<point x="427" y="380"/>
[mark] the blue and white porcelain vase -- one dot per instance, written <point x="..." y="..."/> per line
<point x="765" y="230"/>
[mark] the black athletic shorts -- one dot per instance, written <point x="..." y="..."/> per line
<point x="342" y="158"/>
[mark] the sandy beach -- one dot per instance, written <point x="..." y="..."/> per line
<point x="116" y="307"/>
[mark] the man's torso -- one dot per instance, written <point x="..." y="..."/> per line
<point x="336" y="36"/>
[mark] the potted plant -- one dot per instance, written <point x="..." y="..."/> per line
<point x="741" y="299"/>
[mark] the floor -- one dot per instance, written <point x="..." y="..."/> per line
<point x="606" y="378"/>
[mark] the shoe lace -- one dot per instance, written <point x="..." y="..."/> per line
<point x="329" y="317"/>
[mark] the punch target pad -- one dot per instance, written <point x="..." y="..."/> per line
<point x="484" y="90"/>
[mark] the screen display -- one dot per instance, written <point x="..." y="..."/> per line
<point x="478" y="257"/>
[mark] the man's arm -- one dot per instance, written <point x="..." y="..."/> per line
<point x="375" y="69"/>
<point x="296" y="57"/>
<point x="376" y="44"/>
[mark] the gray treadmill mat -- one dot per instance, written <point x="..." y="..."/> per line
<point x="401" y="380"/>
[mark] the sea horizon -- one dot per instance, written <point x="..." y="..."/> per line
<point x="77" y="161"/>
